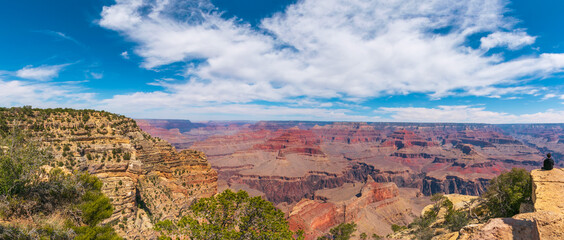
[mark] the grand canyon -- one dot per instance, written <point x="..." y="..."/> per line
<point x="325" y="173"/>
<point x="318" y="175"/>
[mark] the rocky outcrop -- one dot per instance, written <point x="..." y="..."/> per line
<point x="314" y="217"/>
<point x="501" y="228"/>
<point x="146" y="179"/>
<point x="546" y="222"/>
<point x="453" y="184"/>
<point x="374" y="208"/>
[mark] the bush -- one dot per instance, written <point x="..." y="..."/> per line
<point x="20" y="160"/>
<point x="28" y="192"/>
<point x="342" y="231"/>
<point x="96" y="232"/>
<point x="230" y="215"/>
<point x="456" y="220"/>
<point x="425" y="234"/>
<point x="507" y="191"/>
<point x="166" y="225"/>
<point x="397" y="228"/>
<point x="96" y="207"/>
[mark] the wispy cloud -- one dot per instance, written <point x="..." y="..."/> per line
<point x="325" y="49"/>
<point x="512" y="40"/>
<point x="467" y="114"/>
<point x="96" y="75"/>
<point x="548" y="96"/>
<point x="61" y="36"/>
<point x="41" y="73"/>
<point x="43" y="94"/>
<point x="163" y="105"/>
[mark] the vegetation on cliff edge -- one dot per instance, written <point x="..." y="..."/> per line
<point x="40" y="202"/>
<point x="503" y="198"/>
<point x="507" y="191"/>
<point x="343" y="231"/>
<point x="230" y="215"/>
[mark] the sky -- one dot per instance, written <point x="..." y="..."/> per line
<point x="482" y="61"/>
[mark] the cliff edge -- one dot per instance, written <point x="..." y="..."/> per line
<point x="545" y="222"/>
<point x="146" y="179"/>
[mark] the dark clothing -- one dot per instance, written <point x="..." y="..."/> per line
<point x="548" y="164"/>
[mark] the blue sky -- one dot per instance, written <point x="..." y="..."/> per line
<point x="334" y="60"/>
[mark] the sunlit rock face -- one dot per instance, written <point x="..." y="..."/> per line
<point x="545" y="222"/>
<point x="145" y="177"/>
<point x="374" y="208"/>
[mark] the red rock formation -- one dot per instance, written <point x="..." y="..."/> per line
<point x="291" y="141"/>
<point x="290" y="160"/>
<point x="316" y="217"/>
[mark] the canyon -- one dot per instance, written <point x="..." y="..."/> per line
<point x="290" y="162"/>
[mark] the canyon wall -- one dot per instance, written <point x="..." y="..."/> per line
<point x="374" y="209"/>
<point x="146" y="179"/>
<point x="288" y="161"/>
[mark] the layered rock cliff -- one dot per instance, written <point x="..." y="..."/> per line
<point x="288" y="161"/>
<point x="146" y="178"/>
<point x="374" y="209"/>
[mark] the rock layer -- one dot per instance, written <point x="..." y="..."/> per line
<point x="146" y="179"/>
<point x="374" y="209"/>
<point x="288" y="161"/>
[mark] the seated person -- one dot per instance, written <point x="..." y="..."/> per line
<point x="548" y="163"/>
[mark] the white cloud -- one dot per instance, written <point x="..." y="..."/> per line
<point x="468" y="114"/>
<point x="324" y="49"/>
<point x="62" y="36"/>
<point x="125" y="55"/>
<point x="41" y="94"/>
<point x="548" y="96"/>
<point x="511" y="40"/>
<point x="97" y="75"/>
<point x="163" y="105"/>
<point x="41" y="73"/>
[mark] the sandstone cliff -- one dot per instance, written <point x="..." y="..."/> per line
<point x="145" y="177"/>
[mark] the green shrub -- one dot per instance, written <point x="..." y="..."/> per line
<point x="95" y="232"/>
<point x="166" y="225"/>
<point x="23" y="194"/>
<point x="507" y="191"/>
<point x="230" y="215"/>
<point x="20" y="160"/>
<point x="456" y="220"/>
<point x="397" y="228"/>
<point x="342" y="231"/>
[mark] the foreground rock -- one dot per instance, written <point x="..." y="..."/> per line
<point x="146" y="179"/>
<point x="546" y="222"/>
